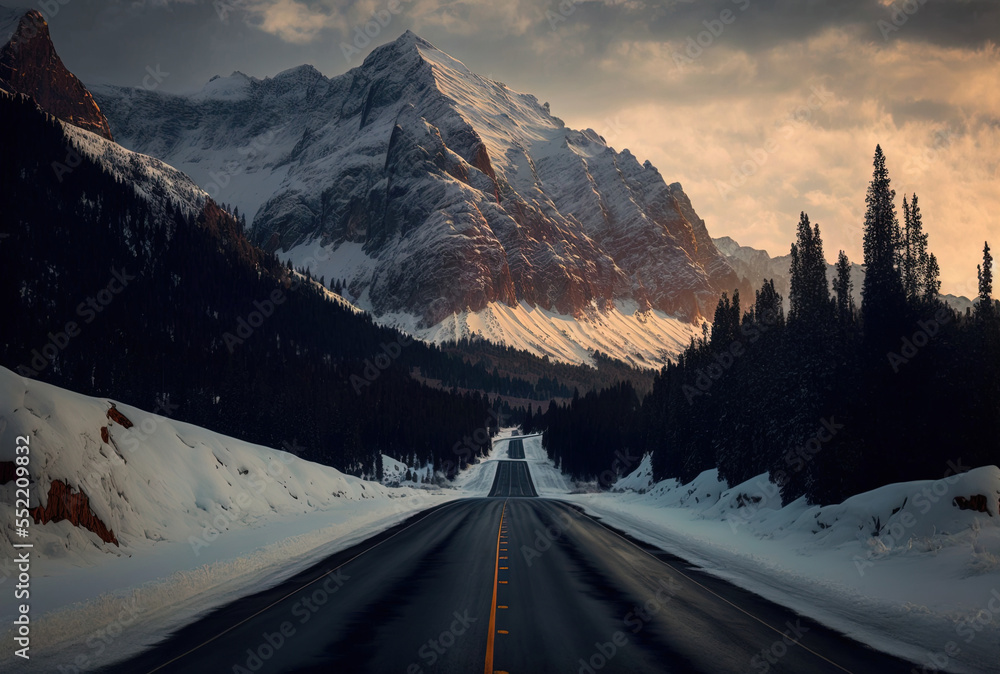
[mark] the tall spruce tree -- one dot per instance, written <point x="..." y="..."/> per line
<point x="915" y="257"/>
<point x="984" y="306"/>
<point x="932" y="278"/>
<point x="843" y="286"/>
<point x="809" y="292"/>
<point x="882" y="292"/>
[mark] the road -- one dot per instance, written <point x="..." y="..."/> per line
<point x="512" y="479"/>
<point x="515" y="448"/>
<point x="505" y="584"/>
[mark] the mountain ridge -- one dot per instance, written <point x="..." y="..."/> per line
<point x="464" y="196"/>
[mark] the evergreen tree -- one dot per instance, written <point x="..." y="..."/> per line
<point x="984" y="306"/>
<point x="844" y="288"/>
<point x="882" y="291"/>
<point x="809" y="292"/>
<point x="915" y="258"/>
<point x="932" y="280"/>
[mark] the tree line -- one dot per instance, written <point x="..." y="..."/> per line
<point x="831" y="399"/>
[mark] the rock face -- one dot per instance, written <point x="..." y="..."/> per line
<point x="460" y="192"/>
<point x="29" y="65"/>
<point x="64" y="504"/>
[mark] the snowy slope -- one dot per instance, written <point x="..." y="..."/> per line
<point x="199" y="517"/>
<point x="549" y="480"/>
<point x="901" y="567"/>
<point x="438" y="195"/>
<point x="151" y="179"/>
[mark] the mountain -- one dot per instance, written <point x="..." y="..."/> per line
<point x="29" y="65"/>
<point x="127" y="280"/>
<point x="449" y="203"/>
<point x="754" y="265"/>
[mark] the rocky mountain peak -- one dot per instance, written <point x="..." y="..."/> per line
<point x="30" y="65"/>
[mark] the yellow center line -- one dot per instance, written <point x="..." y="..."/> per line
<point x="493" y="606"/>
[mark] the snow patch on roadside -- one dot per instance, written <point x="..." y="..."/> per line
<point x="201" y="519"/>
<point x="901" y="568"/>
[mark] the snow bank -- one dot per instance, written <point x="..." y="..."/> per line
<point x="200" y="518"/>
<point x="901" y="568"/>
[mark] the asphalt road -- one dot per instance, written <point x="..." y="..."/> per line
<point x="513" y="479"/>
<point x="505" y="584"/>
<point x="515" y="448"/>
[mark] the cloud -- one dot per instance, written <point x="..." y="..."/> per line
<point x="291" y="20"/>
<point x="753" y="143"/>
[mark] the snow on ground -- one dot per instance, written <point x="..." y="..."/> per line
<point x="549" y="481"/>
<point x="900" y="568"/>
<point x="477" y="479"/>
<point x="646" y="339"/>
<point x="201" y="519"/>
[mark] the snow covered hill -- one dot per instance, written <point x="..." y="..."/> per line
<point x="444" y="196"/>
<point x="132" y="510"/>
<point x="902" y="568"/>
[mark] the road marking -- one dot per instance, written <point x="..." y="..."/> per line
<point x="493" y="605"/>
<point x="718" y="596"/>
<point x="315" y="580"/>
<point x="502" y="632"/>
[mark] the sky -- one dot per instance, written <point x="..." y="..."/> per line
<point x="760" y="109"/>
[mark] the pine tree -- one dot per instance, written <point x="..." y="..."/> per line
<point x="844" y="287"/>
<point x="932" y="281"/>
<point x="915" y="258"/>
<point x="809" y="292"/>
<point x="984" y="306"/>
<point x="882" y="291"/>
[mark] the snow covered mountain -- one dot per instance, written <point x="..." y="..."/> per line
<point x="29" y="65"/>
<point x="451" y="204"/>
